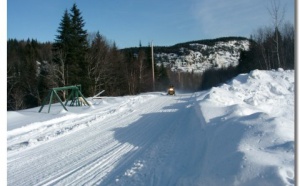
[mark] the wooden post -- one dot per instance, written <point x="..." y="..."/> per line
<point x="50" y="101"/>
<point x="153" y="75"/>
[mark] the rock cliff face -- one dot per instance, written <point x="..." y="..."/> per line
<point x="199" y="56"/>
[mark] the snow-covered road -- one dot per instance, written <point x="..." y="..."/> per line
<point x="240" y="133"/>
<point x="107" y="147"/>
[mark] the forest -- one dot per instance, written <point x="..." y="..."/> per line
<point x="89" y="59"/>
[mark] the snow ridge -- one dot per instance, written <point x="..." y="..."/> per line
<point x="240" y="133"/>
<point x="254" y="115"/>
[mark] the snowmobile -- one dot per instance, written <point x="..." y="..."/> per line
<point x="171" y="90"/>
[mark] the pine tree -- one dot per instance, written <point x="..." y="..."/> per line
<point x="63" y="40"/>
<point x="162" y="78"/>
<point x="61" y="49"/>
<point x="78" y="51"/>
<point x="70" y="49"/>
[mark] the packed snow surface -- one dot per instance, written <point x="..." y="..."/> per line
<point x="240" y="133"/>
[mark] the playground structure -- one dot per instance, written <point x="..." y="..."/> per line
<point x="75" y="97"/>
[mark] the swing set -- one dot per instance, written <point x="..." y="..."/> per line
<point x="74" y="97"/>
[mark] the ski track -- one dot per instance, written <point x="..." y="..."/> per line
<point x="126" y="143"/>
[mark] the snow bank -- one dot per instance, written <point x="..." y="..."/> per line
<point x="241" y="133"/>
<point x="250" y="129"/>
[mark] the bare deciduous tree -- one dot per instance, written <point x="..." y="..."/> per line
<point x="97" y="62"/>
<point x="60" y="69"/>
<point x="274" y="44"/>
<point x="277" y="13"/>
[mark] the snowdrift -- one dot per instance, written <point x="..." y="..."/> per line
<point x="250" y="130"/>
<point x="240" y="133"/>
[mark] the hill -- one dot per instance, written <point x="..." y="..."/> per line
<point x="199" y="56"/>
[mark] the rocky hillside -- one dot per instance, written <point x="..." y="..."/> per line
<point x="198" y="56"/>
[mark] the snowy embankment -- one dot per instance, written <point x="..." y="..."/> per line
<point x="241" y="133"/>
<point x="250" y="124"/>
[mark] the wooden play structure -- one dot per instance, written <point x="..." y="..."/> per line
<point x="75" y="97"/>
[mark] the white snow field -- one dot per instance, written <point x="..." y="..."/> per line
<point x="240" y="133"/>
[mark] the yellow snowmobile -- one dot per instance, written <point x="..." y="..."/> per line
<point x="171" y="90"/>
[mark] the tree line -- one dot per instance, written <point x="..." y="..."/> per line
<point x="89" y="59"/>
<point x="75" y="57"/>
<point x="271" y="47"/>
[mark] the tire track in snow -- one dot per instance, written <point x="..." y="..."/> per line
<point x="177" y="148"/>
<point x="136" y="133"/>
<point x="151" y="163"/>
<point x="62" y="156"/>
<point x="43" y="133"/>
<point x="48" y="149"/>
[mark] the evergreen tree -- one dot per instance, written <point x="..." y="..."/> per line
<point x="249" y="60"/>
<point x="78" y="51"/>
<point x="63" y="40"/>
<point x="70" y="50"/>
<point x="162" y="78"/>
<point x="61" y="49"/>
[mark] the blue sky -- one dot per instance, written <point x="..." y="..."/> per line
<point x="127" y="22"/>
